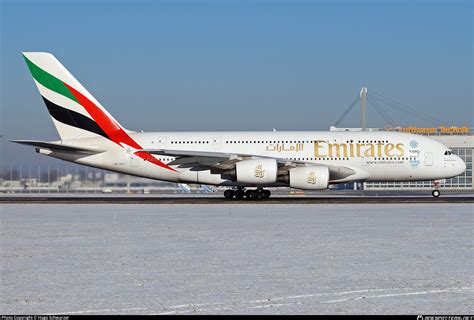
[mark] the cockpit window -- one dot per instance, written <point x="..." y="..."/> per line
<point x="448" y="153"/>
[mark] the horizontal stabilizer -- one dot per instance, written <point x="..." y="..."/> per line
<point x="53" y="146"/>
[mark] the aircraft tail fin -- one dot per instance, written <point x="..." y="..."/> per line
<point x="75" y="112"/>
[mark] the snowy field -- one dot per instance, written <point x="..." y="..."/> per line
<point x="237" y="258"/>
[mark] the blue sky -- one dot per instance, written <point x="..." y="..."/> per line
<point x="238" y="65"/>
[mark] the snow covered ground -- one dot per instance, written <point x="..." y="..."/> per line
<point x="237" y="258"/>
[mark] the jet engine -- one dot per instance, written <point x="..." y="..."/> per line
<point x="309" y="178"/>
<point x="256" y="171"/>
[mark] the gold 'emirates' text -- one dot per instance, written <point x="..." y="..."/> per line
<point x="324" y="149"/>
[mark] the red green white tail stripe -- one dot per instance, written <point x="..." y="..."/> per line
<point x="74" y="110"/>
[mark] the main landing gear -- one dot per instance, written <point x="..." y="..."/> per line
<point x="250" y="194"/>
<point x="436" y="191"/>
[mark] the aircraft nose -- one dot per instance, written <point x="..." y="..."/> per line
<point x="460" y="165"/>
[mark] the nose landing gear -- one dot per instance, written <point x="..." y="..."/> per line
<point x="251" y="194"/>
<point x="436" y="191"/>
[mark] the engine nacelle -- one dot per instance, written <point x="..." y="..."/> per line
<point x="309" y="178"/>
<point x="257" y="171"/>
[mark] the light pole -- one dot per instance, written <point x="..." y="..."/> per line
<point x="57" y="176"/>
<point x="49" y="178"/>
<point x="39" y="178"/>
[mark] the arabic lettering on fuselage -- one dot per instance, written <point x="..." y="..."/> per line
<point x="283" y="147"/>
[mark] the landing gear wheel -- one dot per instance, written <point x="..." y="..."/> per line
<point x="239" y="194"/>
<point x="251" y="194"/>
<point x="436" y="192"/>
<point x="265" y="194"/>
<point x="229" y="194"/>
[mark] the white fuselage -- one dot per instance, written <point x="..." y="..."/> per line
<point x="372" y="156"/>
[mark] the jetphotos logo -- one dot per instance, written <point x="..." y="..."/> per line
<point x="259" y="172"/>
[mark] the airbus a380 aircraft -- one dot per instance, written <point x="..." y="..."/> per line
<point x="300" y="159"/>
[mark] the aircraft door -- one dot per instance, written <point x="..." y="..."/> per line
<point x="364" y="161"/>
<point x="161" y="142"/>
<point x="217" y="142"/>
<point x="134" y="160"/>
<point x="428" y="158"/>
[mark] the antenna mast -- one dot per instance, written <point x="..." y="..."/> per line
<point x="363" y="109"/>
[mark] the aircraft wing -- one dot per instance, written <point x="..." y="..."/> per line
<point x="200" y="160"/>
<point x="220" y="161"/>
<point x="59" y="147"/>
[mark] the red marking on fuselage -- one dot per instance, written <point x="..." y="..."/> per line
<point x="112" y="129"/>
